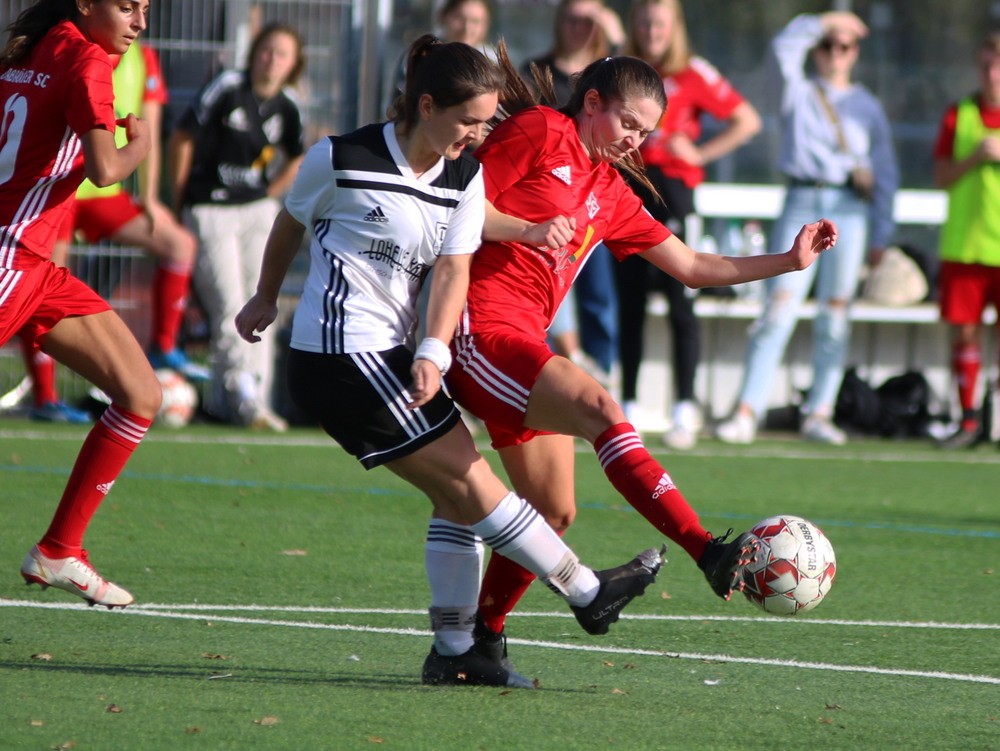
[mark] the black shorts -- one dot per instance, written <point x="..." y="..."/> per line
<point x="360" y="401"/>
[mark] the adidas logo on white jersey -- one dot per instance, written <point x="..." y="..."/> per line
<point x="377" y="215"/>
<point x="563" y="174"/>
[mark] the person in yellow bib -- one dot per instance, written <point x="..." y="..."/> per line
<point x="113" y="213"/>
<point x="967" y="165"/>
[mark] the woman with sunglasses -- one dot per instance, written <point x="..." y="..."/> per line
<point x="837" y="157"/>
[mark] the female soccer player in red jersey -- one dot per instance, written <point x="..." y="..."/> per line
<point x="58" y="126"/>
<point x="533" y="402"/>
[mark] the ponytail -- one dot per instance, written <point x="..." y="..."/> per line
<point x="33" y="24"/>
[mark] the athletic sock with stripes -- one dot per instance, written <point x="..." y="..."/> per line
<point x="107" y="448"/>
<point x="453" y="556"/>
<point x="646" y="485"/>
<point x="515" y="530"/>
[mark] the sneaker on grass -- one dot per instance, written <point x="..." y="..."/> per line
<point x="73" y="574"/>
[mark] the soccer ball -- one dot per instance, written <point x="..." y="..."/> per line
<point x="794" y="569"/>
<point x="180" y="399"/>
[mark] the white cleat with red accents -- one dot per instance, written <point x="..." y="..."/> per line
<point x="76" y="575"/>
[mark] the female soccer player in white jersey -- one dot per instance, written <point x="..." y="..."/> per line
<point x="59" y="126"/>
<point x="384" y="204"/>
<point x="532" y="401"/>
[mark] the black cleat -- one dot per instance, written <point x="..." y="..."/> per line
<point x="723" y="562"/>
<point x="474" y="668"/>
<point x="619" y="586"/>
<point x="492" y="644"/>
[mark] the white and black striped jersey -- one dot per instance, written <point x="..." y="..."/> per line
<point x="376" y="231"/>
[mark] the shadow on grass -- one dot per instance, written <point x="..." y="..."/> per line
<point x="252" y="675"/>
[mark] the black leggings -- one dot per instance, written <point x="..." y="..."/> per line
<point x="635" y="278"/>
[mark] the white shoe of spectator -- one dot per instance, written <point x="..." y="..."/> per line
<point x="740" y="428"/>
<point x="822" y="430"/>
<point x="631" y="410"/>
<point x="687" y="421"/>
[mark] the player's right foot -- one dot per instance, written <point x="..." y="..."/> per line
<point x="76" y="575"/>
<point x="723" y="562"/>
<point x="619" y="586"/>
<point x="473" y="668"/>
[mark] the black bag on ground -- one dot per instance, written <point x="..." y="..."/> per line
<point x="905" y="405"/>
<point x="858" y="406"/>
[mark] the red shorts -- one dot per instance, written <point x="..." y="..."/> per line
<point x="37" y="298"/>
<point x="965" y="289"/>
<point x="492" y="377"/>
<point x="100" y="218"/>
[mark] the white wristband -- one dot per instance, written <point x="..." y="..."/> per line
<point x="436" y="351"/>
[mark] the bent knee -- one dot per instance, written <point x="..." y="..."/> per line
<point x="141" y="394"/>
<point x="561" y="521"/>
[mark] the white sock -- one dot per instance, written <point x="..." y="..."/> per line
<point x="514" y="529"/>
<point x="453" y="556"/>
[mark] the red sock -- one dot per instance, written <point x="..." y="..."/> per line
<point x="108" y="447"/>
<point x="170" y="290"/>
<point x="504" y="583"/>
<point x="966" y="361"/>
<point x="42" y="370"/>
<point x="648" y="488"/>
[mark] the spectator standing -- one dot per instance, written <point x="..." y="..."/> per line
<point x="233" y="155"/>
<point x="838" y="159"/>
<point x="586" y="327"/>
<point x="675" y="162"/>
<point x="967" y="165"/>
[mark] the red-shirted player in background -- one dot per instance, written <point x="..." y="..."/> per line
<point x="533" y="402"/>
<point x="967" y="165"/>
<point x="58" y="126"/>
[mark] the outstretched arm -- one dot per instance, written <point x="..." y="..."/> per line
<point x="698" y="270"/>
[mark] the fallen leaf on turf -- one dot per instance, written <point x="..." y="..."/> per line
<point x="374" y="739"/>
<point x="113" y="709"/>
<point x="826" y="720"/>
<point x="628" y="666"/>
<point x="664" y="595"/>
<point x="37" y="723"/>
<point x="212" y="656"/>
<point x="294" y="552"/>
<point x="43" y="656"/>
<point x="192" y="731"/>
<point x="65" y="746"/>
<point x="617" y="691"/>
<point x="833" y="706"/>
<point x="607" y="663"/>
<point x="266" y="721"/>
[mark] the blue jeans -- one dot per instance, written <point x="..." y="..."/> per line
<point x="597" y="308"/>
<point x="836" y="274"/>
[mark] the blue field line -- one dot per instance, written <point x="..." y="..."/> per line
<point x="222" y="482"/>
<point x="989" y="534"/>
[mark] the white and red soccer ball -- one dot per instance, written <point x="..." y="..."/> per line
<point x="794" y="569"/>
<point x="180" y="399"/>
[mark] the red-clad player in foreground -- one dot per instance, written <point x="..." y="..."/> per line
<point x="58" y="126"/>
<point x="537" y="162"/>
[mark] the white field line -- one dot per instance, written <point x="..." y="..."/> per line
<point x="207" y="612"/>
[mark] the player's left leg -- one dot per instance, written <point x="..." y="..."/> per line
<point x="101" y="348"/>
<point x="566" y="400"/>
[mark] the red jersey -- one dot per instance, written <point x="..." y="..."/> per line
<point x="535" y="167"/>
<point x="945" y="144"/>
<point x="697" y="89"/>
<point x="60" y="92"/>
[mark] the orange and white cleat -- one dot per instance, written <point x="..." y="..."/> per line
<point x="73" y="574"/>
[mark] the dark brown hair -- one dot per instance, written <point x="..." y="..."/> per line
<point x="452" y="73"/>
<point x="619" y="79"/>
<point x="34" y="23"/>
